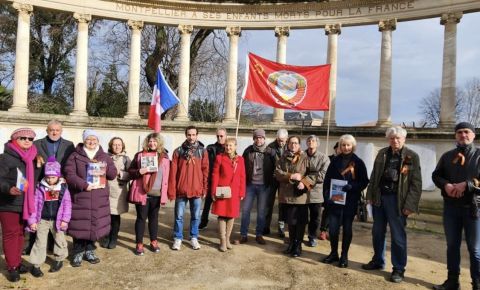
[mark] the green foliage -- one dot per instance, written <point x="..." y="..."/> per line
<point x="5" y="98"/>
<point x="49" y="105"/>
<point x="110" y="100"/>
<point x="204" y="111"/>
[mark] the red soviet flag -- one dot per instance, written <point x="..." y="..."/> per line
<point x="287" y="86"/>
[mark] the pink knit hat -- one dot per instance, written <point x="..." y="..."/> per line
<point x="52" y="167"/>
<point x="22" y="132"/>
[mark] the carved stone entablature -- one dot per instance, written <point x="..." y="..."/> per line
<point x="282" y="31"/>
<point x="388" y="24"/>
<point x="333" y="29"/>
<point x="82" y="18"/>
<point x="135" y="24"/>
<point x="453" y="17"/>
<point x="234" y="30"/>
<point x="185" y="29"/>
<point x="23" y="8"/>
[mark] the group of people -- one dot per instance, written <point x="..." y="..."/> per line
<point x="51" y="186"/>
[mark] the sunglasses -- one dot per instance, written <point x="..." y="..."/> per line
<point x="26" y="138"/>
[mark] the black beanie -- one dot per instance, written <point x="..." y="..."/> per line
<point x="464" y="125"/>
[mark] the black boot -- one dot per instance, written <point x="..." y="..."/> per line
<point x="451" y="283"/>
<point x="114" y="231"/>
<point x="331" y="258"/>
<point x="343" y="263"/>
<point x="289" y="249"/>
<point x="13" y="275"/>
<point x="104" y="242"/>
<point x="297" y="248"/>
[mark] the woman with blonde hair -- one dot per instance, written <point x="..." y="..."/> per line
<point x="149" y="170"/>
<point x="348" y="168"/>
<point x="228" y="171"/>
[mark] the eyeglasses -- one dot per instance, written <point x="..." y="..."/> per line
<point x="26" y="138"/>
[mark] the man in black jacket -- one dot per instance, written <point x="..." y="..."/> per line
<point x="52" y="145"/>
<point x="259" y="167"/>
<point x="457" y="175"/>
<point x="213" y="150"/>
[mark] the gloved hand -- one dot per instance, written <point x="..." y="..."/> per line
<point x="347" y="187"/>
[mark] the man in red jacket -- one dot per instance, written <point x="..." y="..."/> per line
<point x="188" y="182"/>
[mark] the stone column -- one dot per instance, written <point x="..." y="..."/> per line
<point x="134" y="75"/>
<point x="332" y="31"/>
<point x="385" y="90"/>
<point x="22" y="58"/>
<point x="81" y="66"/>
<point x="282" y="33"/>
<point x="184" y="77"/>
<point x="231" y="97"/>
<point x="448" y="93"/>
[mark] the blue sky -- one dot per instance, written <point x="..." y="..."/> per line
<point x="416" y="69"/>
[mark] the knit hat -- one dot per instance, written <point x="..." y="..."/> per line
<point x="465" y="125"/>
<point x="22" y="132"/>
<point x="52" y="167"/>
<point x="89" y="132"/>
<point x="259" y="133"/>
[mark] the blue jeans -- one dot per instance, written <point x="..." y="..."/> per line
<point x="195" y="205"/>
<point x="387" y="213"/>
<point x="261" y="192"/>
<point x="455" y="219"/>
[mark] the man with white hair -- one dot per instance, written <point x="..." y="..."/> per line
<point x="394" y="191"/>
<point x="278" y="147"/>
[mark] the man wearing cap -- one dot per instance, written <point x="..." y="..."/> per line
<point x="52" y="145"/>
<point x="213" y="150"/>
<point x="457" y="175"/>
<point x="394" y="191"/>
<point x="259" y="167"/>
<point x="278" y="147"/>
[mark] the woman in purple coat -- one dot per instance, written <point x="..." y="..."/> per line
<point x="86" y="172"/>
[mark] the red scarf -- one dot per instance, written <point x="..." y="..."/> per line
<point x="27" y="157"/>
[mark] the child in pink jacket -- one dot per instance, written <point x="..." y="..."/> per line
<point x="53" y="209"/>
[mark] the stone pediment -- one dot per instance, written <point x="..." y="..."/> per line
<point x="260" y="15"/>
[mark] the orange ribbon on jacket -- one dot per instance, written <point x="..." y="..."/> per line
<point x="350" y="168"/>
<point x="460" y="157"/>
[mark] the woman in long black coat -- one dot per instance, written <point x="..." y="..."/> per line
<point x="90" y="204"/>
<point x="348" y="167"/>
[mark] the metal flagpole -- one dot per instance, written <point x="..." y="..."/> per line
<point x="238" y="119"/>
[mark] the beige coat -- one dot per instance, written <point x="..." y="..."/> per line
<point x="119" y="186"/>
<point x="284" y="170"/>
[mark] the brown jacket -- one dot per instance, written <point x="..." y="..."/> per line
<point x="284" y="169"/>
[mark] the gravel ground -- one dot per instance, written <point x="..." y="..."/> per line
<point x="248" y="266"/>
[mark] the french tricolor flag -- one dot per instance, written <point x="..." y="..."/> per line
<point x="163" y="98"/>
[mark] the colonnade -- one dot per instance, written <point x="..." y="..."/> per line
<point x="386" y="27"/>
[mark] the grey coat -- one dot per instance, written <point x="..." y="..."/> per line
<point x="119" y="186"/>
<point x="318" y="163"/>
<point x="64" y="150"/>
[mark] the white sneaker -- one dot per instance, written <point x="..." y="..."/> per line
<point x="177" y="243"/>
<point x="195" y="244"/>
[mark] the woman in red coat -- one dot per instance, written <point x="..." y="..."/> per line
<point x="228" y="170"/>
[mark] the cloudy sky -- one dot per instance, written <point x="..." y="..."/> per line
<point x="416" y="68"/>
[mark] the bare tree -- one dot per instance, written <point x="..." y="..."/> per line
<point x="430" y="107"/>
<point x="471" y="102"/>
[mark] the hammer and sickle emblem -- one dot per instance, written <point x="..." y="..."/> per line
<point x="258" y="68"/>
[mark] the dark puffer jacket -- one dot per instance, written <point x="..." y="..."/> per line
<point x="9" y="162"/>
<point x="90" y="209"/>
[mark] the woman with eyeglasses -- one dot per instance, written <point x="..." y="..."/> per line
<point x="18" y="175"/>
<point x="292" y="173"/>
<point x="349" y="174"/>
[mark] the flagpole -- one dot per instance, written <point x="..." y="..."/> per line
<point x="238" y="120"/>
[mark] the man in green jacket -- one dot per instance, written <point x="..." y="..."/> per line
<point x="394" y="191"/>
